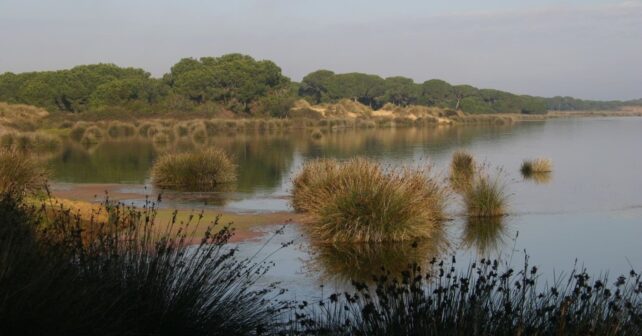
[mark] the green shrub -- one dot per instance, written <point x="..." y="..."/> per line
<point x="198" y="171"/>
<point x="358" y="201"/>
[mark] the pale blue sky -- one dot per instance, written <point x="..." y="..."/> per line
<point x="588" y="48"/>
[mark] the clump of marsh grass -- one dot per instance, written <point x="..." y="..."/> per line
<point x="92" y="135"/>
<point x="129" y="275"/>
<point x="197" y="171"/>
<point x="486" y="298"/>
<point x="20" y="174"/>
<point x="359" y="201"/>
<point x="119" y="129"/>
<point x="316" y="135"/>
<point x="30" y="141"/>
<point x="462" y="170"/>
<point x="539" y="165"/>
<point x="78" y="131"/>
<point x="486" y="196"/>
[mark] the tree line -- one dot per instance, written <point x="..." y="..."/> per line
<point x="248" y="87"/>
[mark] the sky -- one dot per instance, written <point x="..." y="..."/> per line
<point x="589" y="49"/>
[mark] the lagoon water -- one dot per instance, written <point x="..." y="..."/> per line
<point x="588" y="213"/>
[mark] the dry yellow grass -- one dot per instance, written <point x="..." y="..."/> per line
<point x="462" y="170"/>
<point x="20" y="173"/>
<point x="358" y="201"/>
<point x="197" y="171"/>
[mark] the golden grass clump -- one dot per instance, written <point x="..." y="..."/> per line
<point x="316" y="135"/>
<point x="119" y="129"/>
<point x="30" y="141"/>
<point x="462" y="170"/>
<point x="539" y="165"/>
<point x="20" y="173"/>
<point x="92" y="135"/>
<point x="197" y="171"/>
<point x="359" y="201"/>
<point x="486" y="197"/>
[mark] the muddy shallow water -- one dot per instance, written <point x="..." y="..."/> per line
<point x="589" y="210"/>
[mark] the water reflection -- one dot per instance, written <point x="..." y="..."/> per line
<point x="487" y="235"/>
<point x="539" y="178"/>
<point x="362" y="261"/>
<point x="263" y="159"/>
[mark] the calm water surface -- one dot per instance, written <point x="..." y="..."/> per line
<point x="589" y="212"/>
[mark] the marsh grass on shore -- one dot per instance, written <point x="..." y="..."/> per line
<point x="204" y="170"/>
<point x="359" y="201"/>
<point x="20" y="173"/>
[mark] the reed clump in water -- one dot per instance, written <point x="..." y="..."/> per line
<point x="20" y="174"/>
<point x="536" y="166"/>
<point x="197" y="171"/>
<point x="486" y="196"/>
<point x="462" y="170"/>
<point x="92" y="135"/>
<point x="117" y="129"/>
<point x="359" y="201"/>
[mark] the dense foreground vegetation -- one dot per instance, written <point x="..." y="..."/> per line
<point x="62" y="275"/>
<point x="238" y="85"/>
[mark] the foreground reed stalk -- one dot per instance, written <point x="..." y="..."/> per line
<point x="485" y="299"/>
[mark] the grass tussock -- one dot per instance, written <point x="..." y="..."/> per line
<point x="486" y="196"/>
<point x="39" y="142"/>
<point x="536" y="166"/>
<point x="20" y="174"/>
<point x="197" y="171"/>
<point x="92" y="135"/>
<point x="359" y="201"/>
<point x="117" y="129"/>
<point x="462" y="170"/>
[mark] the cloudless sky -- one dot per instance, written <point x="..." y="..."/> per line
<point x="584" y="48"/>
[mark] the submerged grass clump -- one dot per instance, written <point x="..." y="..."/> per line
<point x="462" y="170"/>
<point x="359" y="201"/>
<point x="197" y="171"/>
<point x="539" y="165"/>
<point x="20" y="174"/>
<point x="486" y="196"/>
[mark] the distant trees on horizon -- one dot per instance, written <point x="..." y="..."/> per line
<point x="245" y="86"/>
